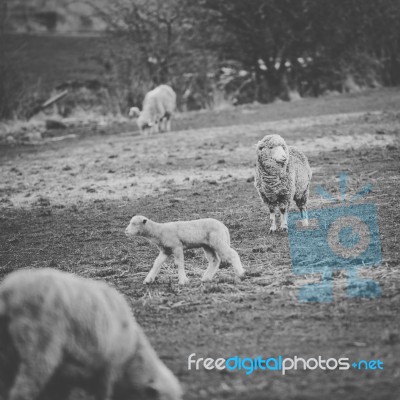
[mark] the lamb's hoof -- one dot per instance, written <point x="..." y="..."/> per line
<point x="284" y="228"/>
<point x="206" y="279"/>
<point x="184" y="281"/>
<point x="147" y="281"/>
<point x="272" y="230"/>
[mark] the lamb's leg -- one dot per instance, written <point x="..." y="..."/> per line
<point x="284" y="217"/>
<point x="168" y="124"/>
<point x="161" y="125"/>
<point x="236" y="263"/>
<point x="213" y="264"/>
<point x="230" y="256"/>
<point x="272" y="219"/>
<point x="227" y="254"/>
<point x="159" y="261"/>
<point x="180" y="263"/>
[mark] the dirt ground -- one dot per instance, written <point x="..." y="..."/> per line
<point x="66" y="204"/>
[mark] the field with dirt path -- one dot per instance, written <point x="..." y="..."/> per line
<point x="66" y="204"/>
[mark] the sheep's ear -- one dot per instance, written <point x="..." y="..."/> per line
<point x="260" y="145"/>
<point x="144" y="221"/>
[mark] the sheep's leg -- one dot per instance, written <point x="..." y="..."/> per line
<point x="273" y="220"/>
<point x="159" y="261"/>
<point x="180" y="263"/>
<point x="304" y="215"/>
<point x="40" y="356"/>
<point x="28" y="383"/>
<point x="284" y="217"/>
<point x="301" y="203"/>
<point x="104" y="386"/>
<point x="100" y="385"/>
<point x="213" y="264"/>
<point x="57" y="389"/>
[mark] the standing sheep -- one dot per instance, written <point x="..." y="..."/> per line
<point x="158" y="108"/>
<point x="282" y="174"/>
<point x="73" y="332"/>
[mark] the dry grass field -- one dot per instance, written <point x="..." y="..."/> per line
<point x="66" y="204"/>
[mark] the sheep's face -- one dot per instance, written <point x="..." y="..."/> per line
<point x="137" y="226"/>
<point x="272" y="150"/>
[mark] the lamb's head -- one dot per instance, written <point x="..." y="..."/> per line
<point x="144" y="122"/>
<point x="134" y="112"/>
<point x="272" y="150"/>
<point x="137" y="226"/>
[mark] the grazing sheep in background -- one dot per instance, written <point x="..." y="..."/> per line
<point x="158" y="108"/>
<point x="282" y="174"/>
<point x="172" y="238"/>
<point x="71" y="332"/>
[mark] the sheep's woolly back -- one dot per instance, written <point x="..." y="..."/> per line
<point x="156" y="104"/>
<point x="279" y="183"/>
<point x="81" y="321"/>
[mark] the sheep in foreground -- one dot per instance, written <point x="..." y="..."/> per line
<point x="282" y="174"/>
<point x="158" y="108"/>
<point x="172" y="238"/>
<point x="71" y="332"/>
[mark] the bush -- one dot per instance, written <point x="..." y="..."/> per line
<point x="17" y="98"/>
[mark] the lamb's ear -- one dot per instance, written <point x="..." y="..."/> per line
<point x="144" y="221"/>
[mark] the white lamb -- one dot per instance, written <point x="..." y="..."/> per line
<point x="172" y="238"/>
<point x="158" y="108"/>
<point x="71" y="332"/>
<point x="282" y="174"/>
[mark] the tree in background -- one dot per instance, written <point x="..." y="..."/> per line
<point x="151" y="42"/>
<point x="309" y="46"/>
